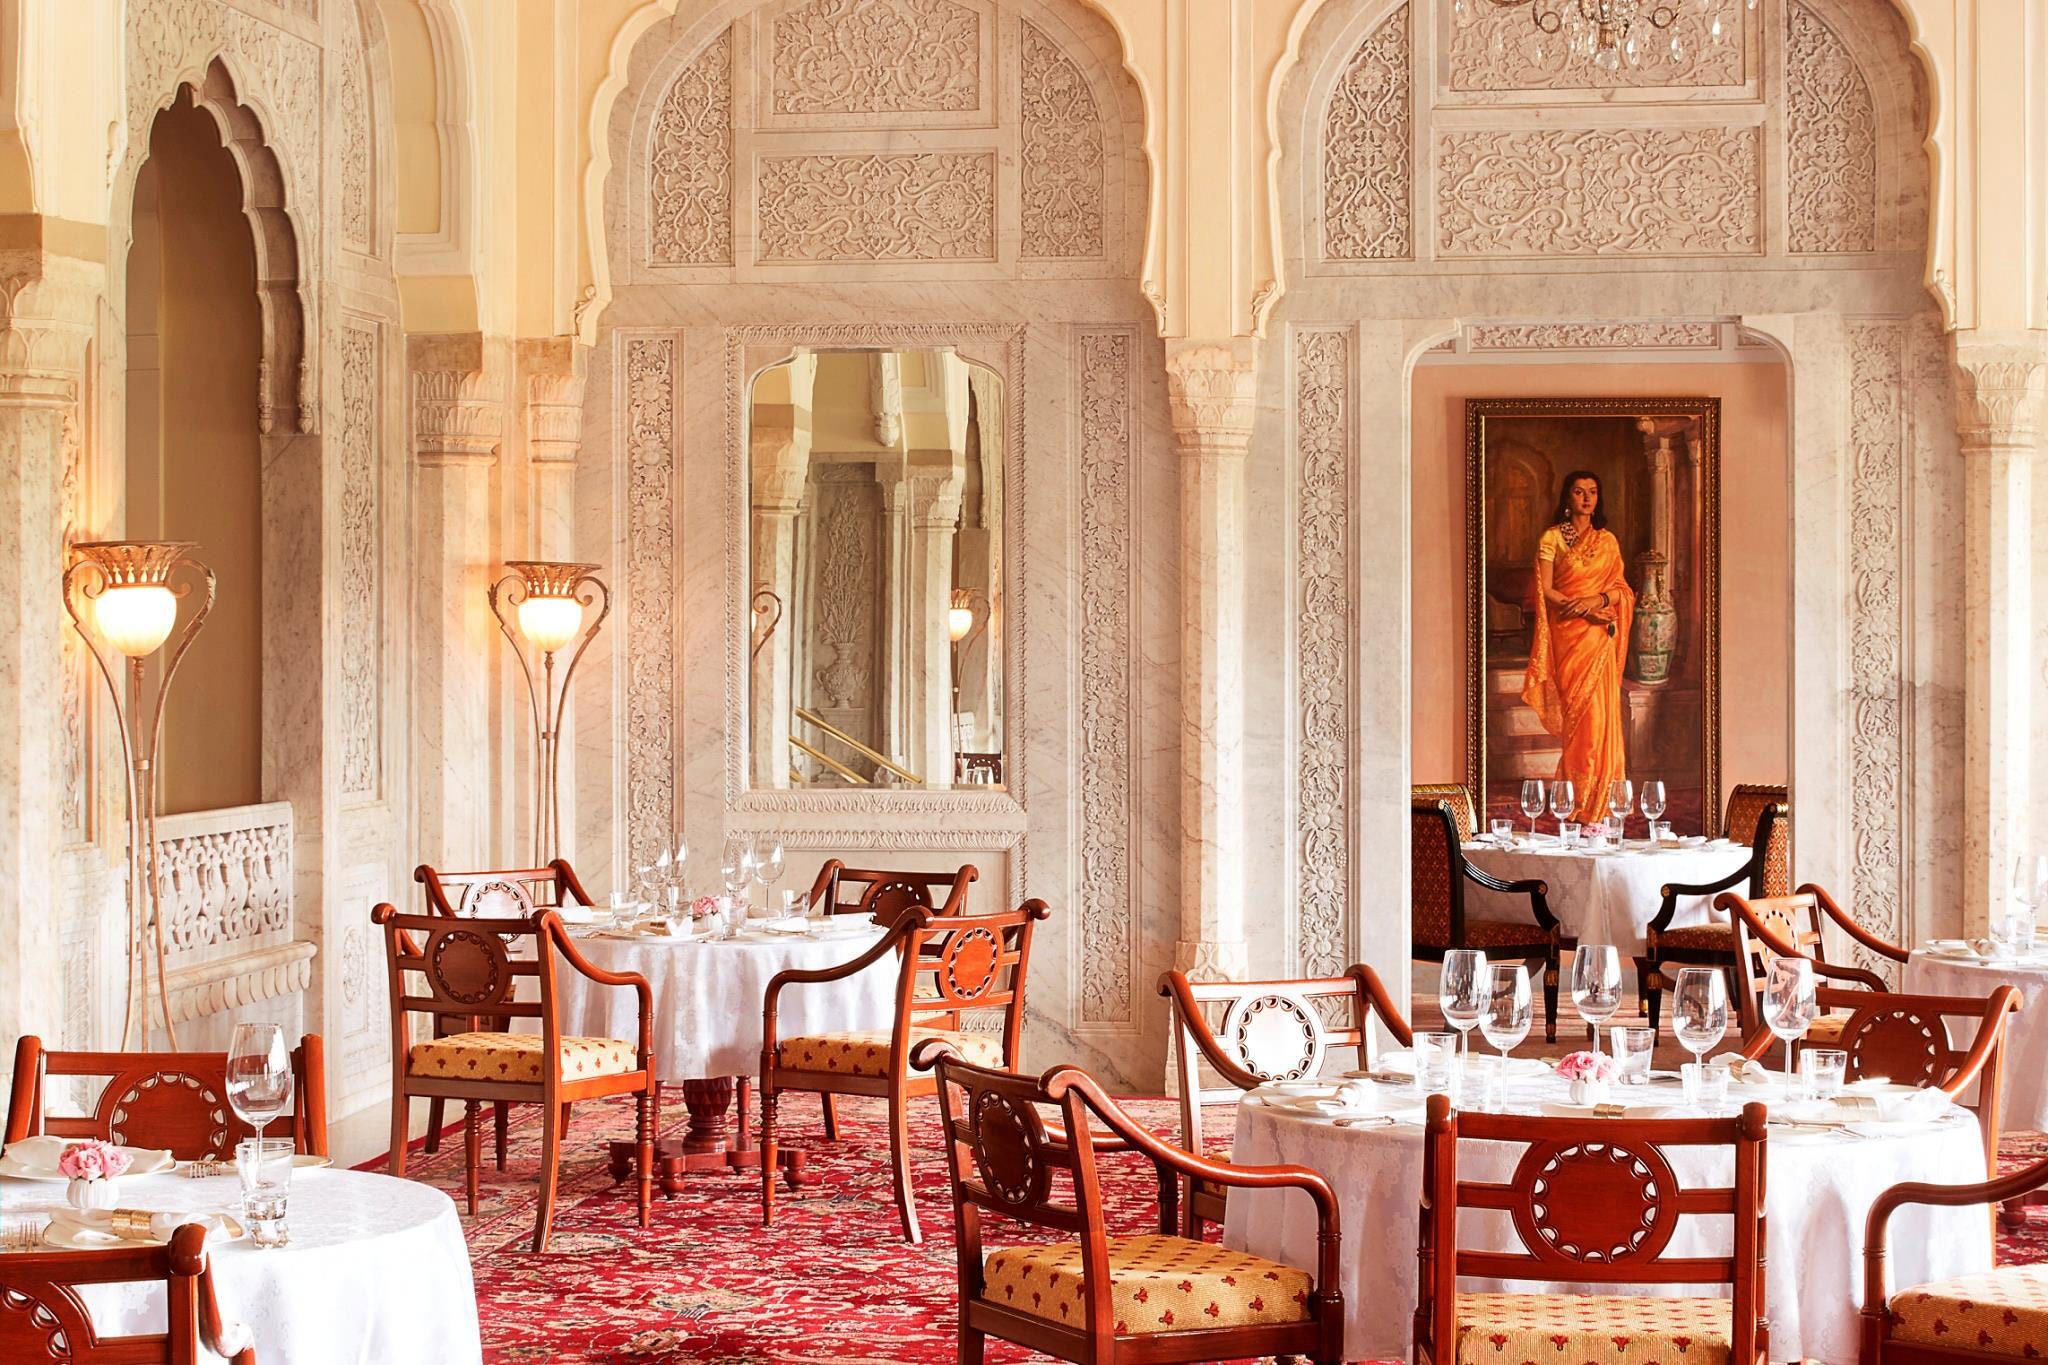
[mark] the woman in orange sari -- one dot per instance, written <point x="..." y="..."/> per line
<point x="1582" y="624"/>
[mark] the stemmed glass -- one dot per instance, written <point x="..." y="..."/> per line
<point x="767" y="855"/>
<point x="2029" y="889"/>
<point x="1621" y="799"/>
<point x="1653" y="801"/>
<point x="1504" y="1021"/>
<point x="1596" y="985"/>
<point x="736" y="869"/>
<point x="1699" y="1010"/>
<point x="1563" y="801"/>
<point x="1533" y="798"/>
<point x="259" y="1074"/>
<point x="1461" y="988"/>
<point x="1789" y="1003"/>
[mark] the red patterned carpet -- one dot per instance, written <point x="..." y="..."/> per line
<point x="831" y="1282"/>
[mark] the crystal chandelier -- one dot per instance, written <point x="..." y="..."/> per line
<point x="1609" y="33"/>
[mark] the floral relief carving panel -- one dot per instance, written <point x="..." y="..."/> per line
<point x="650" y="425"/>
<point x="689" y="172"/>
<point x="1548" y="336"/>
<point x="1367" y="166"/>
<point x="1502" y="50"/>
<point x="354" y="148"/>
<point x="1322" y="376"/>
<point x="227" y="886"/>
<point x="1061" y="153"/>
<point x="361" y="658"/>
<point x="1103" y="370"/>
<point x="1830" y="141"/>
<point x="876" y="57"/>
<point x="848" y="520"/>
<point x="916" y="206"/>
<point x="1597" y="191"/>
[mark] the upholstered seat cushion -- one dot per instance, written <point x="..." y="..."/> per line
<point x="1827" y="1029"/>
<point x="2001" y="1312"/>
<point x="1500" y="933"/>
<point x="867" y="1054"/>
<point x="1591" y="1329"/>
<point x="1708" y="938"/>
<point x="517" y="1057"/>
<point x="1157" y="1284"/>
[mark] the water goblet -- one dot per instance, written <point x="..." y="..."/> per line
<point x="1653" y="800"/>
<point x="1534" y="797"/>
<point x="1461" y="991"/>
<point x="1596" y="985"/>
<point x="1789" y="1004"/>
<point x="1699" y="1010"/>
<point x="1563" y="801"/>
<point x="1621" y="800"/>
<point x="259" y="1074"/>
<point x="1504" y="1018"/>
<point x="768" y="861"/>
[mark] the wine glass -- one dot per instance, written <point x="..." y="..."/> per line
<point x="1533" y="798"/>
<point x="1563" y="801"/>
<point x="682" y="856"/>
<point x="1699" y="1009"/>
<point x="767" y="854"/>
<point x="1789" y="1003"/>
<point x="1621" y="799"/>
<point x="1653" y="800"/>
<point x="1504" y="1018"/>
<point x="259" y="1074"/>
<point x="2029" y="891"/>
<point x="1461" y="990"/>
<point x="1596" y="985"/>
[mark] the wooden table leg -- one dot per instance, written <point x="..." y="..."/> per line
<point x="710" y="1143"/>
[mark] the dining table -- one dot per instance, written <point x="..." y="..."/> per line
<point x="376" y="1271"/>
<point x="1954" y="967"/>
<point x="1819" y="1185"/>
<point x="708" y="992"/>
<point x="1607" y="895"/>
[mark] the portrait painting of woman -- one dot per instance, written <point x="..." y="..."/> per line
<point x="1584" y="612"/>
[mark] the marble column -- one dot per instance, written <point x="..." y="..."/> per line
<point x="48" y="305"/>
<point x="928" y="593"/>
<point x="1211" y="395"/>
<point x="890" y="665"/>
<point x="551" y="383"/>
<point x="459" y="397"/>
<point x="779" y="470"/>
<point x="1999" y="412"/>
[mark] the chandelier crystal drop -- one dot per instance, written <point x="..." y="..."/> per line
<point x="1608" y="33"/>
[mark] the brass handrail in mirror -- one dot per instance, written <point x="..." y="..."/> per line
<point x="876" y="576"/>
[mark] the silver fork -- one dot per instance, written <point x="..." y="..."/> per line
<point x="23" y="1234"/>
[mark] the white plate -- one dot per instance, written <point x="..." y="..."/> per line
<point x="1306" y="1106"/>
<point x="72" y="1237"/>
<point x="148" y="1161"/>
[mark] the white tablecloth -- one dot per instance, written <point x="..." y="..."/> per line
<point x="2025" y="1066"/>
<point x="1818" y="1188"/>
<point x="376" y="1272"/>
<point x="708" y="994"/>
<point x="1600" y="897"/>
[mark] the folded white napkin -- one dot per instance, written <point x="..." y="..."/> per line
<point x="38" y="1156"/>
<point x="95" y="1227"/>
<point x="576" y="914"/>
<point x="1628" y="1111"/>
<point x="1743" y="1070"/>
<point x="786" y="924"/>
<point x="1918" y="1106"/>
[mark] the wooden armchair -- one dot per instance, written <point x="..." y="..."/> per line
<point x="1464" y="810"/>
<point x="475" y="965"/>
<point x="1592" y="1201"/>
<point x="885" y="895"/>
<point x="503" y="893"/>
<point x="1265" y="1031"/>
<point x="2000" y="1314"/>
<point x="1759" y="817"/>
<point x="1783" y="926"/>
<point x="177" y="1101"/>
<point x="1878" y="947"/>
<point x="1437" y="921"/>
<point x="1906" y="1038"/>
<point x="45" y="1317"/>
<point x="1100" y="1298"/>
<point x="947" y="964"/>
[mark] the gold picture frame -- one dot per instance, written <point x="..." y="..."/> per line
<point x="1517" y="451"/>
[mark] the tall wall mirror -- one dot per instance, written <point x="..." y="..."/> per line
<point x="876" y="572"/>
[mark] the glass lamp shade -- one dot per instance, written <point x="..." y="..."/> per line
<point x="959" y="620"/>
<point x="136" y="619"/>
<point x="548" y="623"/>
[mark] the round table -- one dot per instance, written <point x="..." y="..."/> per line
<point x="2025" y="1065"/>
<point x="376" y="1270"/>
<point x="1819" y="1186"/>
<point x="707" y="1021"/>
<point x="1606" y="897"/>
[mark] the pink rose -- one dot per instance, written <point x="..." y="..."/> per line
<point x="1588" y="1066"/>
<point x="93" y="1160"/>
<point x="704" y="907"/>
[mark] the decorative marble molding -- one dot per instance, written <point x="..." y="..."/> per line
<point x="1105" y="410"/>
<point x="1616" y="336"/>
<point x="845" y="584"/>
<point x="554" y="416"/>
<point x="48" y="309"/>
<point x="1211" y="394"/>
<point x="224" y="985"/>
<point x="1323" y="572"/>
<point x="1879" y="721"/>
<point x="74" y="781"/>
<point x="690" y="164"/>
<point x="882" y="206"/>
<point x="1060" y="154"/>
<point x="354" y="145"/>
<point x="1672" y="191"/>
<point x="1500" y="50"/>
<point x="360" y="605"/>
<point x="1368" y="170"/>
<point x="458" y="415"/>
<point x="1830" y="141"/>
<point x="226" y="876"/>
<point x="648" y="383"/>
<point x="876" y="57"/>
<point x="2001" y="391"/>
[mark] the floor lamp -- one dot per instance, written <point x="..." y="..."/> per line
<point x="547" y="601"/>
<point x="125" y="586"/>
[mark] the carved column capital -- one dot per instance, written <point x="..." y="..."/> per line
<point x="458" y="400"/>
<point x="48" y="306"/>
<point x="2002" y="392"/>
<point x="1211" y="393"/>
<point x="935" y="501"/>
<point x="554" y="398"/>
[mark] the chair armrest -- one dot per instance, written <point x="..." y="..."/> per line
<point x="906" y="924"/>
<point x="1535" y="888"/>
<point x="2003" y="1001"/>
<point x="1205" y="1038"/>
<point x="1841" y="971"/>
<point x="551" y="924"/>
<point x="1671" y="891"/>
<point x="1856" y="932"/>
<point x="1994" y="1191"/>
<point x="1383" y="1004"/>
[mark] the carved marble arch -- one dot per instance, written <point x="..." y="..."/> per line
<point x="285" y="396"/>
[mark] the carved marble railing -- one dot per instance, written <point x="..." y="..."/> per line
<point x="226" y="882"/>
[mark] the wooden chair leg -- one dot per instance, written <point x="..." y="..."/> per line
<point x="563" y="1131"/>
<point x="831" y="1116"/>
<point x="472" y="1150"/>
<point x="401" y="1110"/>
<point x="1643" y="973"/>
<point x="436" y="1115"/>
<point x="1655" y="995"/>
<point x="768" y="1150"/>
<point x="550" y="1161"/>
<point x="644" y="1131"/>
<point x="1550" y="1000"/>
<point x="899" y="1159"/>
<point x="502" y="1118"/>
<point x="971" y="1343"/>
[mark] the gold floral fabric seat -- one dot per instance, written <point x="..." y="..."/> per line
<point x="517" y="1057"/>
<point x="1592" y="1329"/>
<point x="1709" y="937"/>
<point x="2001" y="1312"/>
<point x="867" y="1054"/>
<point x="1157" y="1284"/>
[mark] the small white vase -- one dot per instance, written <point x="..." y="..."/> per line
<point x="86" y="1195"/>
<point x="1589" y="1092"/>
